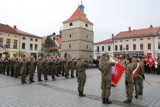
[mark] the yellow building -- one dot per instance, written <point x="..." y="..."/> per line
<point x="9" y="40"/>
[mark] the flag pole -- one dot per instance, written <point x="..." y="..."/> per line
<point x="144" y="79"/>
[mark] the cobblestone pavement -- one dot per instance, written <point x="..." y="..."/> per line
<point x="63" y="93"/>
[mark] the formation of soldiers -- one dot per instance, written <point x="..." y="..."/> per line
<point x="28" y="66"/>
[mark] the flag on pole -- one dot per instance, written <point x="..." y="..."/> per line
<point x="134" y="73"/>
<point x="117" y="71"/>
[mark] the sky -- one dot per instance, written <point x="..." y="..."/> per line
<point x="43" y="17"/>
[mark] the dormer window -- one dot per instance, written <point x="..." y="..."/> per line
<point x="86" y="25"/>
<point x="71" y="24"/>
<point x="70" y="35"/>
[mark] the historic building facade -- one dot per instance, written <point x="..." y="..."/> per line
<point x="77" y="35"/>
<point x="16" y="42"/>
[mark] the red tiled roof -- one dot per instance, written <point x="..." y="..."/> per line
<point x="7" y="29"/>
<point x="78" y="15"/>
<point x="105" y="41"/>
<point x="151" y="31"/>
<point x="25" y="33"/>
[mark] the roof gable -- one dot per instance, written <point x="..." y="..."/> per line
<point x="78" y="15"/>
<point x="7" y="29"/>
<point x="107" y="41"/>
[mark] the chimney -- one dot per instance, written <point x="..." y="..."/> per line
<point x="129" y="29"/>
<point x="112" y="36"/>
<point x="15" y="27"/>
<point x="151" y="26"/>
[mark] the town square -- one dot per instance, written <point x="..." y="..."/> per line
<point x="79" y="53"/>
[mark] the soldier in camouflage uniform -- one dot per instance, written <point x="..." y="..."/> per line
<point x="105" y="68"/>
<point x="139" y="84"/>
<point x="39" y="68"/>
<point x="66" y="67"/>
<point x="23" y="70"/>
<point x="72" y="66"/>
<point x="12" y="67"/>
<point x="52" y="68"/>
<point x="134" y="65"/>
<point x="3" y="66"/>
<point x="58" y="67"/>
<point x="62" y="66"/>
<point x="7" y="66"/>
<point x="0" y="65"/>
<point x="16" y="68"/>
<point x="31" y="71"/>
<point x="46" y="68"/>
<point x="128" y="81"/>
<point x="81" y="68"/>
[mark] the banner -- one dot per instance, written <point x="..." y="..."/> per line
<point x="117" y="71"/>
<point x="134" y="73"/>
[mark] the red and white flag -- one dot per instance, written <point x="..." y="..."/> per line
<point x="134" y="73"/>
<point x="117" y="71"/>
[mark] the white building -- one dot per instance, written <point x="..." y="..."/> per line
<point x="157" y="44"/>
<point x="101" y="47"/>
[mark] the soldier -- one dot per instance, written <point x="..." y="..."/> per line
<point x="62" y="66"/>
<point x="45" y="69"/>
<point x="7" y="65"/>
<point x="134" y="65"/>
<point x="128" y="81"/>
<point x="139" y="84"/>
<point x="3" y="66"/>
<point x="16" y="68"/>
<point x="66" y="67"/>
<point x="72" y="66"/>
<point x="105" y="68"/>
<point x="39" y="68"/>
<point x="81" y="67"/>
<point x="23" y="69"/>
<point x="31" y="71"/>
<point x="12" y="67"/>
<point x="0" y="65"/>
<point x="57" y="67"/>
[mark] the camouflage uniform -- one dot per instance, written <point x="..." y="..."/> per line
<point x="105" y="68"/>
<point x="7" y="65"/>
<point x="62" y="67"/>
<point x="72" y="66"/>
<point x="31" y="70"/>
<point x="12" y="67"/>
<point x="0" y="65"/>
<point x="45" y="69"/>
<point x="16" y="68"/>
<point x="81" y="67"/>
<point x="39" y="68"/>
<point x="23" y="69"/>
<point x="66" y="67"/>
<point x="52" y="68"/>
<point x="128" y="83"/>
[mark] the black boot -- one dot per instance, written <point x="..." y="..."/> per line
<point x="40" y="79"/>
<point x="66" y="76"/>
<point x="72" y="76"/>
<point x="136" y="96"/>
<point x="108" y="102"/>
<point x="81" y="94"/>
<point x="53" y="78"/>
<point x="127" y="101"/>
<point x="103" y="100"/>
<point x="31" y="80"/>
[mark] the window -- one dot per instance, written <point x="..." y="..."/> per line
<point x="121" y="47"/>
<point x="102" y="48"/>
<point x="36" y="40"/>
<point x="86" y="25"/>
<point x="8" y="42"/>
<point x="1" y="41"/>
<point x="141" y="38"/>
<point x="31" y="39"/>
<point x="97" y="48"/>
<point x="87" y="46"/>
<point x="120" y="41"/>
<point x="70" y="35"/>
<point x="15" y="44"/>
<point x="36" y="47"/>
<point x="141" y="46"/>
<point x="158" y="45"/>
<point x="115" y="41"/>
<point x="23" y="38"/>
<point x="149" y="46"/>
<point x="31" y="46"/>
<point x="116" y="47"/>
<point x="149" y="38"/>
<point x="127" y="47"/>
<point x="158" y="37"/>
<point x="8" y="34"/>
<point x="126" y="40"/>
<point x="86" y="36"/>
<point x="134" y="46"/>
<point x="70" y="24"/>
<point x="134" y="39"/>
<point x="109" y="48"/>
<point x="0" y="33"/>
<point x="23" y="45"/>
